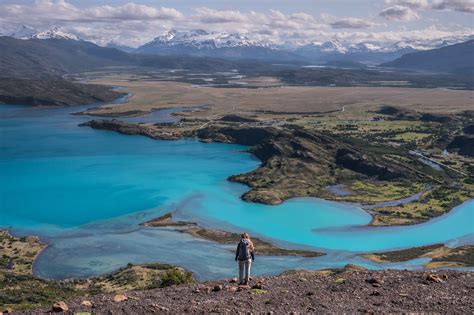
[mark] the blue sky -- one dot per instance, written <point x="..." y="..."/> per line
<point x="133" y="22"/>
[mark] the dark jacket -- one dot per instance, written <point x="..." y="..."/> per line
<point x="252" y="255"/>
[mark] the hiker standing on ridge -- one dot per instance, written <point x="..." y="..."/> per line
<point x="244" y="255"/>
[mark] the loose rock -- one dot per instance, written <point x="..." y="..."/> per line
<point x="120" y="298"/>
<point x="434" y="278"/>
<point x="259" y="285"/>
<point x="60" y="306"/>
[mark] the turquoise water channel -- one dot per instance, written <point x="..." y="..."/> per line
<point x="86" y="191"/>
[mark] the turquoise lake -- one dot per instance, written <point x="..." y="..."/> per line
<point x="86" y="191"/>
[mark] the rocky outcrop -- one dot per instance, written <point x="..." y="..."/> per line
<point x="59" y="307"/>
<point x="131" y="129"/>
<point x="361" y="163"/>
<point x="238" y="135"/>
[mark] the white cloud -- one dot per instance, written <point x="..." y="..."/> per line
<point x="352" y="23"/>
<point x="207" y="15"/>
<point x="60" y="10"/>
<point x="407" y="10"/>
<point x="133" y="23"/>
<point x="455" y="5"/>
<point x="132" y="11"/>
<point x="400" y="13"/>
<point x="412" y="4"/>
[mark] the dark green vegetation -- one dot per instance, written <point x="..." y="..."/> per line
<point x="458" y="58"/>
<point x="19" y="289"/>
<point x="262" y="247"/>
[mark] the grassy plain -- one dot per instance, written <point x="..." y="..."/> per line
<point x="151" y="95"/>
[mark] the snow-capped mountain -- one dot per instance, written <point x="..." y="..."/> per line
<point x="54" y="33"/>
<point x="370" y="51"/>
<point x="201" y="39"/>
<point x="214" y="44"/>
<point x="25" y="32"/>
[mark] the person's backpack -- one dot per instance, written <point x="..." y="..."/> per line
<point x="244" y="250"/>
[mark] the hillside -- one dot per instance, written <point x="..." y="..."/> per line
<point x="350" y="290"/>
<point x="31" y="71"/>
<point x="458" y="58"/>
<point x="21" y="58"/>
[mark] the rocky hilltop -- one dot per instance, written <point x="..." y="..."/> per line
<point x="352" y="290"/>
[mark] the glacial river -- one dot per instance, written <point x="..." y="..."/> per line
<point x="85" y="192"/>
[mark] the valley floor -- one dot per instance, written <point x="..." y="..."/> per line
<point x="352" y="289"/>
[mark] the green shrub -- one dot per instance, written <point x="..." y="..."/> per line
<point x="175" y="276"/>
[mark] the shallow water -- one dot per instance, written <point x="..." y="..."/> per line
<point x="85" y="192"/>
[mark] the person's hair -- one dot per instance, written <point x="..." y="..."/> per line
<point x="246" y="236"/>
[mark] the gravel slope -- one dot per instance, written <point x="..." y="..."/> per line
<point x="352" y="289"/>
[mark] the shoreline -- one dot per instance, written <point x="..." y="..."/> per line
<point x="269" y="249"/>
<point x="202" y="134"/>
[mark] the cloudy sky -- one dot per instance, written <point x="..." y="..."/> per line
<point x="134" y="22"/>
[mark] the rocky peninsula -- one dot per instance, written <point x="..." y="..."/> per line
<point x="223" y="237"/>
<point x="301" y="161"/>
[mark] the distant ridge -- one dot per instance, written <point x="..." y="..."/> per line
<point x="241" y="46"/>
<point x="458" y="58"/>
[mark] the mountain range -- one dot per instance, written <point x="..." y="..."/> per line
<point x="221" y="45"/>
<point x="238" y="46"/>
<point x="213" y="44"/>
<point x="457" y="58"/>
